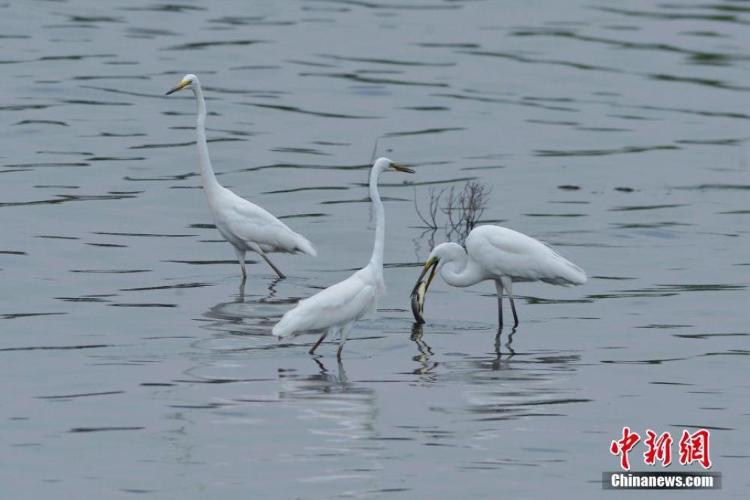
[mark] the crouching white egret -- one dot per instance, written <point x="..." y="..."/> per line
<point x="245" y="225"/>
<point x="336" y="308"/>
<point x="499" y="254"/>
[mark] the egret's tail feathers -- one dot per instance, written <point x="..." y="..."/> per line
<point x="576" y="275"/>
<point x="304" y="246"/>
<point x="285" y="327"/>
<point x="566" y="273"/>
<point x="279" y="330"/>
<point x="289" y="324"/>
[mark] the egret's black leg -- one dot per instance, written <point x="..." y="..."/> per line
<point x="322" y="337"/>
<point x="513" y="308"/>
<point x="507" y="284"/>
<point x="499" y="288"/>
<point x="256" y="248"/>
<point x="276" y="269"/>
<point x="241" y="259"/>
<point x="344" y="332"/>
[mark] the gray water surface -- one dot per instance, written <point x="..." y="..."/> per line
<point x="133" y="366"/>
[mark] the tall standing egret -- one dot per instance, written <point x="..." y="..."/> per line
<point x="245" y="225"/>
<point x="498" y="254"/>
<point x="336" y="308"/>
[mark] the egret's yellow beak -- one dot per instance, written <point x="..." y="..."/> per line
<point x="419" y="292"/>
<point x="401" y="168"/>
<point x="180" y="86"/>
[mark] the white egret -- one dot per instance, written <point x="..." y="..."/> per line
<point x="498" y="254"/>
<point x="245" y="225"/>
<point x="336" y="308"/>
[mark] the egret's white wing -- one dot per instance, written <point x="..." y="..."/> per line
<point x="506" y="252"/>
<point x="339" y="304"/>
<point x="248" y="222"/>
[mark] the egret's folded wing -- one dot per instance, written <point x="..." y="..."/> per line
<point x="514" y="254"/>
<point x="255" y="224"/>
<point x="338" y="304"/>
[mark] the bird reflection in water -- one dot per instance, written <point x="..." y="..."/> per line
<point x="332" y="405"/>
<point x="241" y="314"/>
<point x="340" y="376"/>
<point x="427" y="366"/>
<point x="324" y="381"/>
<point x="425" y="351"/>
<point x="499" y="363"/>
<point x="268" y="298"/>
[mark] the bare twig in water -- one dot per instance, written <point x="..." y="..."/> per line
<point x="430" y="219"/>
<point x="473" y="202"/>
<point x="462" y="209"/>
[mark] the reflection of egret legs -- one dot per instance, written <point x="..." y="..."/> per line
<point x="272" y="288"/>
<point x="425" y="351"/>
<point x="498" y="351"/>
<point x="510" y="341"/>
<point x="342" y="373"/>
<point x="343" y="332"/>
<point x="324" y="371"/>
<point x="241" y="294"/>
<point x="320" y="364"/>
<point x="417" y="333"/>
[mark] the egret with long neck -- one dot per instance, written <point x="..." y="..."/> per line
<point x="245" y="225"/>
<point x="499" y="254"/>
<point x="336" y="308"/>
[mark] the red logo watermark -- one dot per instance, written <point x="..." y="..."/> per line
<point x="658" y="448"/>
<point x="693" y="448"/>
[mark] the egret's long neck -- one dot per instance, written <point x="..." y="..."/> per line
<point x="461" y="271"/>
<point x="377" y="205"/>
<point x="204" y="162"/>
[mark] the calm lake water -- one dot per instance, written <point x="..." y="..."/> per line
<point x="133" y="367"/>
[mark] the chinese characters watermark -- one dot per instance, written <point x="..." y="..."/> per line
<point x="692" y="447"/>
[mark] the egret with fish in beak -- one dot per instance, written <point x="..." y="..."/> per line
<point x="499" y="254"/>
